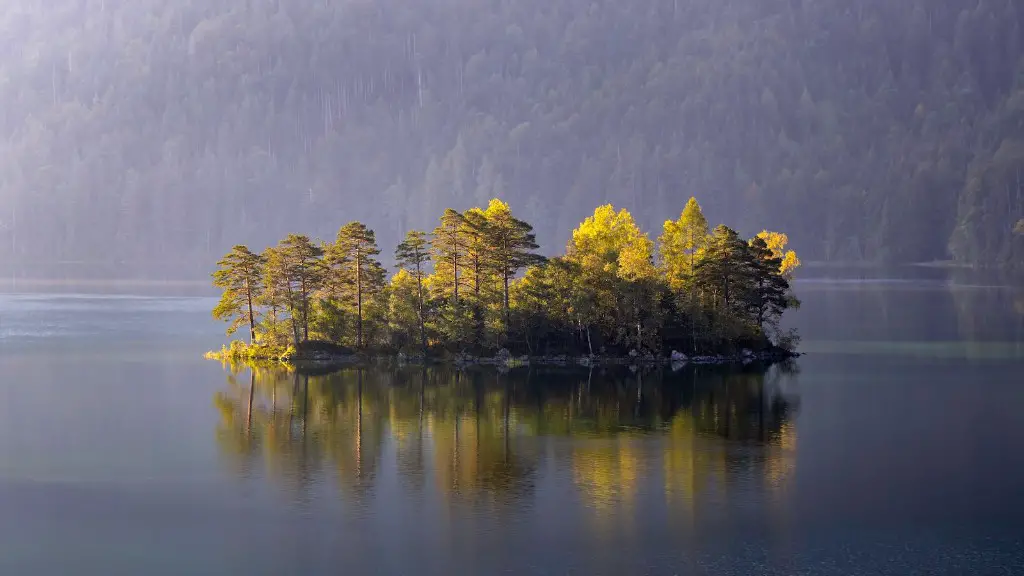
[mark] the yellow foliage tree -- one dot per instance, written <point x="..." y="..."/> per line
<point x="612" y="242"/>
<point x="681" y="243"/>
<point x="777" y="242"/>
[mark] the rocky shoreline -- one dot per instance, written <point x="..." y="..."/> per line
<point x="321" y="359"/>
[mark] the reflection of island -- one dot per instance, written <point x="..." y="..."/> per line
<point x="474" y="434"/>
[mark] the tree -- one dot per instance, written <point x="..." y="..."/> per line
<point x="240" y="276"/>
<point x="302" y="269"/>
<point x="680" y="244"/>
<point x="448" y="248"/>
<point x="767" y="296"/>
<point x="355" y="271"/>
<point x="725" y="267"/>
<point x="476" y="231"/>
<point x="617" y="262"/>
<point x="412" y="255"/>
<point x="275" y="297"/>
<point x="776" y="242"/>
<point x="405" y="310"/>
<point x="512" y="245"/>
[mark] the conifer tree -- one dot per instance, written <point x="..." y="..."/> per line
<point x="512" y="246"/>
<point x="448" y="248"/>
<point x="476" y="233"/>
<point x="275" y="297"/>
<point x="412" y="255"/>
<point x="767" y="295"/>
<point x="240" y="276"/>
<point x="302" y="269"/>
<point x="725" y="268"/>
<point x="356" y="274"/>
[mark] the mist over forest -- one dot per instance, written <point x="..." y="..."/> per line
<point x="146" y="137"/>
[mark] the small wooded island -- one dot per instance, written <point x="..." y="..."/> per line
<point x="476" y="288"/>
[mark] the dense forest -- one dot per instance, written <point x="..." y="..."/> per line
<point x="476" y="285"/>
<point x="146" y="137"/>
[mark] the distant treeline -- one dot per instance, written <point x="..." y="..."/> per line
<point x="149" y="136"/>
<point x="476" y="284"/>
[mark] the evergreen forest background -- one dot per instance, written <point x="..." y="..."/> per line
<point x="146" y="137"/>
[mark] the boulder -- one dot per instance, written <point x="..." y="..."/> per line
<point x="679" y="356"/>
<point x="503" y="356"/>
<point x="633" y="353"/>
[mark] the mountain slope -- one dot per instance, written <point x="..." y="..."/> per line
<point x="146" y="137"/>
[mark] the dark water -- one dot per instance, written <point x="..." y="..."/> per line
<point x="896" y="446"/>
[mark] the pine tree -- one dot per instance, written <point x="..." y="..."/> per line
<point x="275" y="297"/>
<point x="476" y="231"/>
<point x="767" y="295"/>
<point x="356" y="274"/>
<point x="448" y="248"/>
<point x="412" y="255"/>
<point x="512" y="246"/>
<point x="303" y="274"/>
<point x="725" y="267"/>
<point x="240" y="276"/>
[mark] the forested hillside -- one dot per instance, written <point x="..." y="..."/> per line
<point x="147" y="136"/>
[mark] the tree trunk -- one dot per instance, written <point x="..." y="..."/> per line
<point x="359" y="300"/>
<point x="508" y="309"/>
<point x="419" y="310"/>
<point x="252" y="320"/>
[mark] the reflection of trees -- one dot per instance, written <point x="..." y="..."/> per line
<point x="464" y="432"/>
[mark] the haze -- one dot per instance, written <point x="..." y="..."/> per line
<point x="143" y="138"/>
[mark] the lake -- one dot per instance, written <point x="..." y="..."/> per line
<point x="894" y="446"/>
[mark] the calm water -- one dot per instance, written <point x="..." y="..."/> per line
<point x="896" y="446"/>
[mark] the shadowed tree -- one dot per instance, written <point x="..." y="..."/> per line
<point x="767" y="296"/>
<point x="724" y="269"/>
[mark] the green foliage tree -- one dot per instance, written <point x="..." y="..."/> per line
<point x="767" y="295"/>
<point x="240" y="276"/>
<point x="303" y="272"/>
<point x="412" y="255"/>
<point x="476" y="231"/>
<point x="405" y="311"/>
<point x="512" y="247"/>
<point x="448" y="250"/>
<point x="605" y="295"/>
<point x="725" y="268"/>
<point x="356" y="274"/>
<point x="275" y="299"/>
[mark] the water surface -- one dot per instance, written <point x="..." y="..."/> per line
<point x="893" y="447"/>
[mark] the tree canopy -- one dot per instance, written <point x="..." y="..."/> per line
<point x="486" y="289"/>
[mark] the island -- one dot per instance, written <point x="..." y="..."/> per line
<point x="475" y="290"/>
